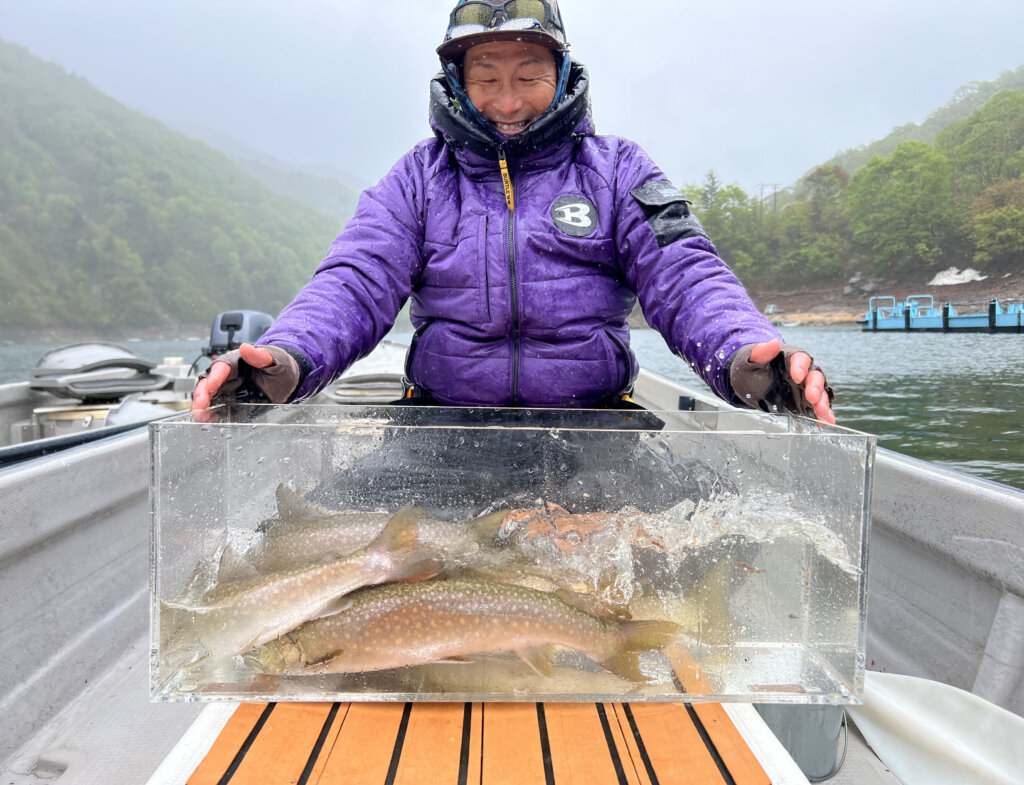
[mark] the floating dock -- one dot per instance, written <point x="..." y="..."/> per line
<point x="918" y="313"/>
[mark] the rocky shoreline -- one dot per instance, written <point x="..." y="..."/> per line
<point x="834" y="303"/>
<point x="847" y="302"/>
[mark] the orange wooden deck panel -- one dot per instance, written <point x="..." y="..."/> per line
<point x="479" y="744"/>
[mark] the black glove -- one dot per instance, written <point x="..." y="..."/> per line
<point x="245" y="383"/>
<point x="769" y="386"/>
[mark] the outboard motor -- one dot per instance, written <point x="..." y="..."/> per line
<point x="233" y="328"/>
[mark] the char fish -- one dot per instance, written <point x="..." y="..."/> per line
<point x="396" y="625"/>
<point x="303" y="531"/>
<point x="236" y="615"/>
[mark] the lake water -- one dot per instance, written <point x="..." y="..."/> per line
<point x="954" y="399"/>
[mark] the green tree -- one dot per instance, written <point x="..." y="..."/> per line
<point x="997" y="227"/>
<point x="900" y="209"/>
<point x="983" y="148"/>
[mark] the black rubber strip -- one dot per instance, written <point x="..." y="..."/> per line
<point x="483" y="730"/>
<point x="467" y="731"/>
<point x="545" y="745"/>
<point x="712" y="751"/>
<point x="609" y="739"/>
<point x="319" y="746"/>
<point x="396" y="754"/>
<point x="249" y="741"/>
<point x="640" y="745"/>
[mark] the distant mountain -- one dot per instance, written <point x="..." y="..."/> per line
<point x="965" y="101"/>
<point x="109" y="218"/>
<point x="323" y="187"/>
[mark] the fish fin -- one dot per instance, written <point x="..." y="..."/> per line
<point x="291" y="508"/>
<point x="637" y="636"/>
<point x="337" y="605"/>
<point x="416" y="563"/>
<point x="400" y="531"/>
<point x="625" y="665"/>
<point x="647" y="634"/>
<point x="232" y="565"/>
<point x="487" y="527"/>
<point x="540" y="658"/>
<point x="455" y="659"/>
<point x="250" y="644"/>
<point x="290" y="504"/>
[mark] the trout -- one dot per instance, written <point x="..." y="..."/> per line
<point x="235" y="616"/>
<point x="396" y="625"/>
<point x="303" y="531"/>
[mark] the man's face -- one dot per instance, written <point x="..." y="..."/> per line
<point x="511" y="83"/>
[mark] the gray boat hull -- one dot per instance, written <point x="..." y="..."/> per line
<point x="945" y="584"/>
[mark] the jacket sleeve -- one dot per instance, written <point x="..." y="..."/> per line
<point x="357" y="291"/>
<point x="686" y="291"/>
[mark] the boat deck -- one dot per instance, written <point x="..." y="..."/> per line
<point x="498" y="744"/>
<point x="111" y="733"/>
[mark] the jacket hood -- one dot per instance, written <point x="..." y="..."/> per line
<point x="460" y="130"/>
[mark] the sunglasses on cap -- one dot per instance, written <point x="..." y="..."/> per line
<point x="473" y="17"/>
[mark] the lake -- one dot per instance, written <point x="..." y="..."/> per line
<point x="955" y="399"/>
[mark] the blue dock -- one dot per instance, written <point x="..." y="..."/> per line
<point x="918" y="313"/>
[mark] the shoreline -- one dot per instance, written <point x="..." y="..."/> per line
<point x="822" y="304"/>
<point x="846" y="303"/>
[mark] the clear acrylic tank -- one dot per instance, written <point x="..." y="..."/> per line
<point x="419" y="553"/>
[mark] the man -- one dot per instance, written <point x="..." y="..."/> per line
<point x="523" y="240"/>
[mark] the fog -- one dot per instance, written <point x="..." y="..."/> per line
<point x="759" y="92"/>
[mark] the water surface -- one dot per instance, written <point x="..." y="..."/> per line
<point x="955" y="398"/>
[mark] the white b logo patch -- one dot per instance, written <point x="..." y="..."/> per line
<point x="574" y="215"/>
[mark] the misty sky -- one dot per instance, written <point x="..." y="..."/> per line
<point x="758" y="91"/>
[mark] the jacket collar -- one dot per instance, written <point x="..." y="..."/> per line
<point x="571" y="116"/>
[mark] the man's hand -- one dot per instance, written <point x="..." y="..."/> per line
<point x="267" y="371"/>
<point x="754" y="376"/>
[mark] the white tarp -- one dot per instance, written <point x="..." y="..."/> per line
<point x="929" y="733"/>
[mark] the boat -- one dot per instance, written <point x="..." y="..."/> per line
<point x="945" y="600"/>
<point x="918" y="313"/>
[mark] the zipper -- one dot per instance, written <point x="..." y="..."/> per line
<point x="487" y="272"/>
<point x="516" y="327"/>
<point x="510" y="202"/>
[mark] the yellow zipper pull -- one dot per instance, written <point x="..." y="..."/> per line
<point x="506" y="180"/>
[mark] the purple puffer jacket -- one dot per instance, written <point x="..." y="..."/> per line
<point x="528" y="306"/>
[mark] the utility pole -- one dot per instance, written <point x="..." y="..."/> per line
<point x="775" y="195"/>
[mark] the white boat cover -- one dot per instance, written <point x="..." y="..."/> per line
<point x="929" y="733"/>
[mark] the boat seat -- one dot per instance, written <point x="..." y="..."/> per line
<point x="487" y="743"/>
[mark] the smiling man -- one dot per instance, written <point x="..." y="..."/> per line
<point x="524" y="240"/>
<point x="510" y="83"/>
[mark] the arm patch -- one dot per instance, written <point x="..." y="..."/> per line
<point x="668" y="212"/>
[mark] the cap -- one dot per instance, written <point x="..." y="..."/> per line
<point x="475" y="22"/>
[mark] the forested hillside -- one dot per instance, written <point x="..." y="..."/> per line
<point x="965" y="101"/>
<point x="906" y="215"/>
<point x="110" y="219"/>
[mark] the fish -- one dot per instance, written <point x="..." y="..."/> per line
<point x="234" y="616"/>
<point x="303" y="531"/>
<point x="398" y="625"/>
<point x="592" y="553"/>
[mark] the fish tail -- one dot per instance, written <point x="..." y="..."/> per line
<point x="637" y="636"/>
